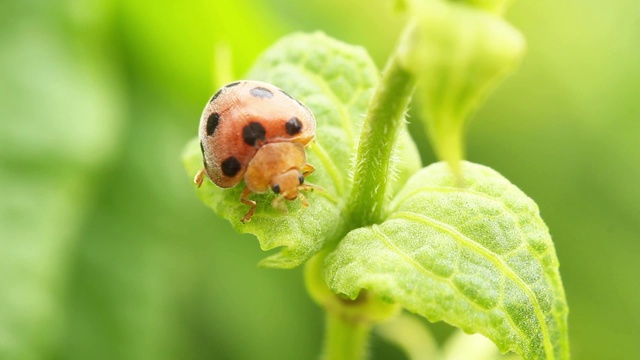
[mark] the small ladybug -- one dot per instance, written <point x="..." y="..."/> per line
<point x="254" y="131"/>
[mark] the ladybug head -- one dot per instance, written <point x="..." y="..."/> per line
<point x="287" y="184"/>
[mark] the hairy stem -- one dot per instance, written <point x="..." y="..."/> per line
<point x="384" y="118"/>
<point x="349" y="322"/>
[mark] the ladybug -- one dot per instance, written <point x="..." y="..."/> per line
<point x="253" y="131"/>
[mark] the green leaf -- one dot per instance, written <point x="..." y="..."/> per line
<point x="478" y="257"/>
<point x="459" y="54"/>
<point x="336" y="82"/>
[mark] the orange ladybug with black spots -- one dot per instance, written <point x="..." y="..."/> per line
<point x="254" y="131"/>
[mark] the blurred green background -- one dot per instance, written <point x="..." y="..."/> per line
<point x="106" y="253"/>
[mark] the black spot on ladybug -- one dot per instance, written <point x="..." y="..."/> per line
<point x="252" y="133"/>
<point x="301" y="179"/>
<point x="215" y="95"/>
<point x="261" y="92"/>
<point x="212" y="123"/>
<point x="293" y="126"/>
<point x="276" y="188"/>
<point x="232" y="84"/>
<point x="231" y="166"/>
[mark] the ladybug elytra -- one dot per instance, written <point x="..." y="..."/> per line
<point x="253" y="131"/>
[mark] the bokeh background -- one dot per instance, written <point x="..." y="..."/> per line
<point x="105" y="252"/>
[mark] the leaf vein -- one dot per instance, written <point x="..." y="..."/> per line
<point x="495" y="259"/>
<point x="326" y="89"/>
<point x="440" y="189"/>
<point x="428" y="273"/>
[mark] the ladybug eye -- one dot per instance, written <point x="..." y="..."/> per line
<point x="301" y="179"/>
<point x="276" y="188"/>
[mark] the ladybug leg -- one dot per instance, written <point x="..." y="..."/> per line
<point x="199" y="177"/>
<point x="303" y="200"/>
<point x="309" y="187"/>
<point x="243" y="199"/>
<point x="307" y="169"/>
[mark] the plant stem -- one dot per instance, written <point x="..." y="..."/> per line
<point x="384" y="118"/>
<point x="346" y="335"/>
<point x="346" y="330"/>
<point x="345" y="339"/>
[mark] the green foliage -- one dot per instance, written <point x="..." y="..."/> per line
<point x="476" y="255"/>
<point x="105" y="252"/>
<point x="335" y="81"/>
